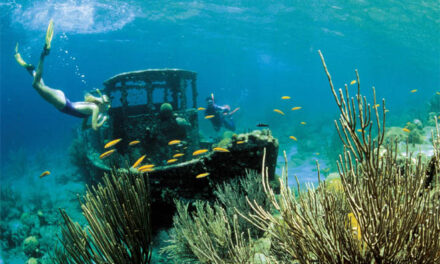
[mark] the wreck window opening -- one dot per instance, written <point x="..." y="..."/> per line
<point x="158" y="97"/>
<point x="116" y="99"/>
<point x="137" y="97"/>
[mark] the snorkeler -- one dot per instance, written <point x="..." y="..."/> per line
<point x="221" y="115"/>
<point x="91" y="106"/>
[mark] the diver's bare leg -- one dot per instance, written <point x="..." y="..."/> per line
<point x="53" y="96"/>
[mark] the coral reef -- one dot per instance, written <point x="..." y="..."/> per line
<point x="31" y="246"/>
<point x="25" y="230"/>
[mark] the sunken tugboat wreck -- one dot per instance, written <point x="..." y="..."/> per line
<point x="156" y="111"/>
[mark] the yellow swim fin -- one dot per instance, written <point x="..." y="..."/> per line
<point x="18" y="57"/>
<point x="49" y="35"/>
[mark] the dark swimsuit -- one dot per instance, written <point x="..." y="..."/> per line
<point x="70" y="110"/>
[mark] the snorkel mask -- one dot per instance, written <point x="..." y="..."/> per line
<point x="210" y="99"/>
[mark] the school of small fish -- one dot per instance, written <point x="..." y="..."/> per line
<point x="200" y="151"/>
<point x="171" y="161"/>
<point x="107" y="153"/>
<point x="279" y="111"/>
<point x="134" y="142"/>
<point x="174" y="142"/>
<point x="138" y="161"/>
<point x="202" y="175"/>
<point x="45" y="173"/>
<point x="217" y="149"/>
<point x="112" y="143"/>
<point x="149" y="167"/>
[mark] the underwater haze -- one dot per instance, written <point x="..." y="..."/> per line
<point x="247" y="53"/>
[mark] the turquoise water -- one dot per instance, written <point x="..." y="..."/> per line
<point x="248" y="53"/>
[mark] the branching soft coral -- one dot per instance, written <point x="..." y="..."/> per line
<point x="118" y="213"/>
<point x="385" y="214"/>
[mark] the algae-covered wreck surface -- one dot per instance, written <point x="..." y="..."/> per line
<point x="155" y="114"/>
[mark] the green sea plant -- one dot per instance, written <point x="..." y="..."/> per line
<point x="233" y="196"/>
<point x="119" y="231"/>
<point x="213" y="233"/>
<point x="385" y="215"/>
<point x="166" y="111"/>
<point x="207" y="235"/>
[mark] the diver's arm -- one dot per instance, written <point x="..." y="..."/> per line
<point x="235" y="110"/>
<point x="103" y="119"/>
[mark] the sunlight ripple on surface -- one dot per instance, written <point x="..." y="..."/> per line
<point x="75" y="16"/>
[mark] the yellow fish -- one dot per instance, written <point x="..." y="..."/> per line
<point x="178" y="155"/>
<point x="406" y="130"/>
<point x="200" y="151"/>
<point x="134" y="142"/>
<point x="376" y="105"/>
<point x="294" y="138"/>
<point x="107" y="153"/>
<point x="220" y="149"/>
<point x="44" y="174"/>
<point x="201" y="108"/>
<point x="354" y="226"/>
<point x="202" y="175"/>
<point x="174" y="142"/>
<point x="147" y="170"/>
<point x="112" y="143"/>
<point x="278" y="111"/>
<point x="317" y="153"/>
<point x="303" y="123"/>
<point x="240" y="142"/>
<point x="209" y="116"/>
<point x="138" y="161"/>
<point x="285" y="97"/>
<point x="413" y="91"/>
<point x="171" y="161"/>
<point x="296" y="108"/>
<point x="359" y="130"/>
<point x="143" y="167"/>
<point x="352" y="82"/>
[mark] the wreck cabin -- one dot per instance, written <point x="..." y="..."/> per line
<point x="150" y="88"/>
<point x="136" y="98"/>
